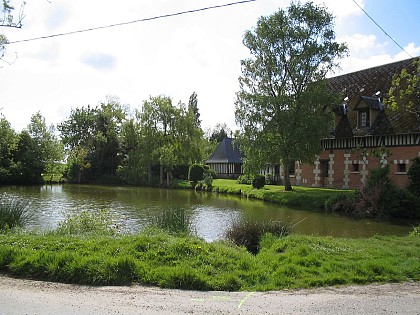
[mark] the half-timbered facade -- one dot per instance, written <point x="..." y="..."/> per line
<point x="367" y="133"/>
<point x="226" y="160"/>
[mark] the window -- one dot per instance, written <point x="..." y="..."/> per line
<point x="401" y="168"/>
<point x="364" y="118"/>
<point x="292" y="168"/>
<point x="355" y="167"/>
<point x="324" y="167"/>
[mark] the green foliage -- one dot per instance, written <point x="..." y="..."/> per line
<point x="258" y="181"/>
<point x="173" y="221"/>
<point x="160" y="259"/>
<point x="88" y="222"/>
<point x="14" y="212"/>
<point x="379" y="199"/>
<point x="415" y="232"/>
<point x="281" y="106"/>
<point x="404" y="93"/>
<point x="249" y="233"/>
<point x="414" y="177"/>
<point x="8" y="140"/>
<point x="196" y="173"/>
<point x="245" y="179"/>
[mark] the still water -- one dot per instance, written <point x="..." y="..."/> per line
<point x="210" y="214"/>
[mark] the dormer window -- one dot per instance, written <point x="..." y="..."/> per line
<point x="368" y="109"/>
<point x="364" y="118"/>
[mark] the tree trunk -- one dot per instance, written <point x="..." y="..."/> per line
<point x="149" y="172"/>
<point x="287" y="184"/>
<point x="168" y="178"/>
<point x="161" y="175"/>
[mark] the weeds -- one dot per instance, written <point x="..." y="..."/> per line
<point x="14" y="212"/>
<point x="173" y="221"/>
<point x="88" y="222"/>
<point x="249" y="233"/>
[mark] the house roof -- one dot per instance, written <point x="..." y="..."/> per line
<point x="363" y="87"/>
<point x="226" y="152"/>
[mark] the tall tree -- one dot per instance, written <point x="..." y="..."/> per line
<point x="193" y="109"/>
<point x="282" y="105"/>
<point x="49" y="148"/>
<point x="94" y="134"/>
<point x="220" y="132"/>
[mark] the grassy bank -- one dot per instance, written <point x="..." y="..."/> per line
<point x="310" y="198"/>
<point x="184" y="262"/>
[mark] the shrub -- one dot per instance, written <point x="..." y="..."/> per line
<point x="415" y="232"/>
<point x="88" y="222"/>
<point x="258" y="181"/>
<point x="414" y="177"/>
<point x="196" y="173"/>
<point x="244" y="179"/>
<point x="249" y="233"/>
<point x="14" y="212"/>
<point x="341" y="203"/>
<point x="270" y="179"/>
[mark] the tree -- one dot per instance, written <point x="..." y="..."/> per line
<point x="8" y="20"/>
<point x="282" y="106"/>
<point x="94" y="134"/>
<point x="404" y="93"/>
<point x="193" y="109"/>
<point x="49" y="148"/>
<point x="219" y="132"/>
<point x="8" y="140"/>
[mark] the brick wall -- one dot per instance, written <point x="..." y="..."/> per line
<point x="344" y="169"/>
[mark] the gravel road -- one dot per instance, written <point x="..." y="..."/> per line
<point x="19" y="296"/>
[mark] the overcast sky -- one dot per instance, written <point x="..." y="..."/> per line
<point x="172" y="56"/>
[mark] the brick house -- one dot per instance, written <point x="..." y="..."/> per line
<point x="362" y="122"/>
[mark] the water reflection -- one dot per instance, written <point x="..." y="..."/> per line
<point x="209" y="215"/>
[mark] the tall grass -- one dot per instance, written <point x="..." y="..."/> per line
<point x="14" y="212"/>
<point x="185" y="262"/>
<point x="249" y="233"/>
<point x="95" y="222"/>
<point x="173" y="221"/>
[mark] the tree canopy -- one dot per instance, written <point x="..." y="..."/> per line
<point x="282" y="107"/>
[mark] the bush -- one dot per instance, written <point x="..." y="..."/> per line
<point x="270" y="179"/>
<point x="414" y="177"/>
<point x="244" y="179"/>
<point x="88" y="222"/>
<point x="196" y="173"/>
<point x="258" y="181"/>
<point x="249" y="233"/>
<point x="14" y="212"/>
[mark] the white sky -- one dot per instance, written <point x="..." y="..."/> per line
<point x="174" y="56"/>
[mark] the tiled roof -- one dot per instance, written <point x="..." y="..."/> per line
<point x="226" y="152"/>
<point x="363" y="86"/>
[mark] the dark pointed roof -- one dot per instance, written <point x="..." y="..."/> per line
<point x="226" y="152"/>
<point x="362" y="87"/>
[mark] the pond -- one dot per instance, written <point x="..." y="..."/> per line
<point x="209" y="214"/>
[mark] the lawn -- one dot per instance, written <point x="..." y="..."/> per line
<point x="186" y="262"/>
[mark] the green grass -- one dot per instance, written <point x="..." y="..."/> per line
<point x="14" y="212"/>
<point x="184" y="262"/>
<point x="310" y="198"/>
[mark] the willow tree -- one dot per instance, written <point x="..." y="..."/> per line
<point x="282" y="107"/>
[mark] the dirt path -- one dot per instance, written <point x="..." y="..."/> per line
<point x="34" y="297"/>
